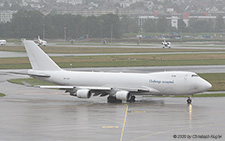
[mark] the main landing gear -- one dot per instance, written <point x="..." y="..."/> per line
<point x="189" y="100"/>
<point x="112" y="99"/>
<point x="132" y="99"/>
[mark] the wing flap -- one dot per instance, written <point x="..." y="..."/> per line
<point x="106" y="89"/>
<point x="56" y="87"/>
<point x="139" y="89"/>
<point x="95" y="88"/>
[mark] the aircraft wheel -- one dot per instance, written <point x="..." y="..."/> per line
<point x="132" y="99"/>
<point x="189" y="101"/>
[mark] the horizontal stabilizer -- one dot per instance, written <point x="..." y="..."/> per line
<point x="32" y="74"/>
<point x="39" y="75"/>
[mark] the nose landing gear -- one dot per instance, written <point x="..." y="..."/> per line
<point x="189" y="100"/>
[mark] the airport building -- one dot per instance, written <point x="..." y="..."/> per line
<point x="6" y="16"/>
<point x="93" y="12"/>
<point x="173" y="20"/>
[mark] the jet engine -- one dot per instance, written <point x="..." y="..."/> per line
<point x="122" y="95"/>
<point x="83" y="93"/>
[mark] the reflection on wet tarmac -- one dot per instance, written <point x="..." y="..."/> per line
<point x="190" y="111"/>
<point x="60" y="117"/>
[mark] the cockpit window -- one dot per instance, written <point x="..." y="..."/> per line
<point x="194" y="75"/>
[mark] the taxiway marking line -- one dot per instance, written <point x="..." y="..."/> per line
<point x="137" y="112"/>
<point x="110" y="126"/>
<point x="124" y="122"/>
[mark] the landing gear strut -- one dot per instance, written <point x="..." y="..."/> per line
<point x="189" y="100"/>
<point x="112" y="99"/>
<point x="132" y="99"/>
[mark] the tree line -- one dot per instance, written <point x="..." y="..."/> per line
<point x="30" y="24"/>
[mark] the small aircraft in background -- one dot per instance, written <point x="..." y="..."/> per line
<point x="40" y="42"/>
<point x="2" y="42"/>
<point x="166" y="44"/>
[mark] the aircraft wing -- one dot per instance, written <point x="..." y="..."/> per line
<point x="98" y="88"/>
<point x="76" y="87"/>
<point x="136" y="90"/>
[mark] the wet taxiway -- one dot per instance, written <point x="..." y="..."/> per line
<point x="29" y="113"/>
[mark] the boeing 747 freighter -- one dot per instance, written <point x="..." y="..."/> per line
<point x="117" y="86"/>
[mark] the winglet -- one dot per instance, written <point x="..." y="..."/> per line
<point x="38" y="58"/>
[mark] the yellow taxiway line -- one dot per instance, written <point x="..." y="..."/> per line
<point x="124" y="122"/>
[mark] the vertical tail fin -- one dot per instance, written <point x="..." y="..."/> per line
<point x="38" y="58"/>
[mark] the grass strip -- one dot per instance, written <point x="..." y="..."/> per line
<point x="122" y="61"/>
<point x="1" y="94"/>
<point x="94" y="50"/>
<point x="216" y="79"/>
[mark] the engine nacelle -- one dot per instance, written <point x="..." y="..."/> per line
<point x="83" y="93"/>
<point x="122" y="95"/>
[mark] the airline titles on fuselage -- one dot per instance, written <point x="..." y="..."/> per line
<point x="161" y="82"/>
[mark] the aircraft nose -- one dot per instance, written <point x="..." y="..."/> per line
<point x="209" y="86"/>
<point x="204" y="85"/>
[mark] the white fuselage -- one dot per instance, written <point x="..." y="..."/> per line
<point x="160" y="83"/>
